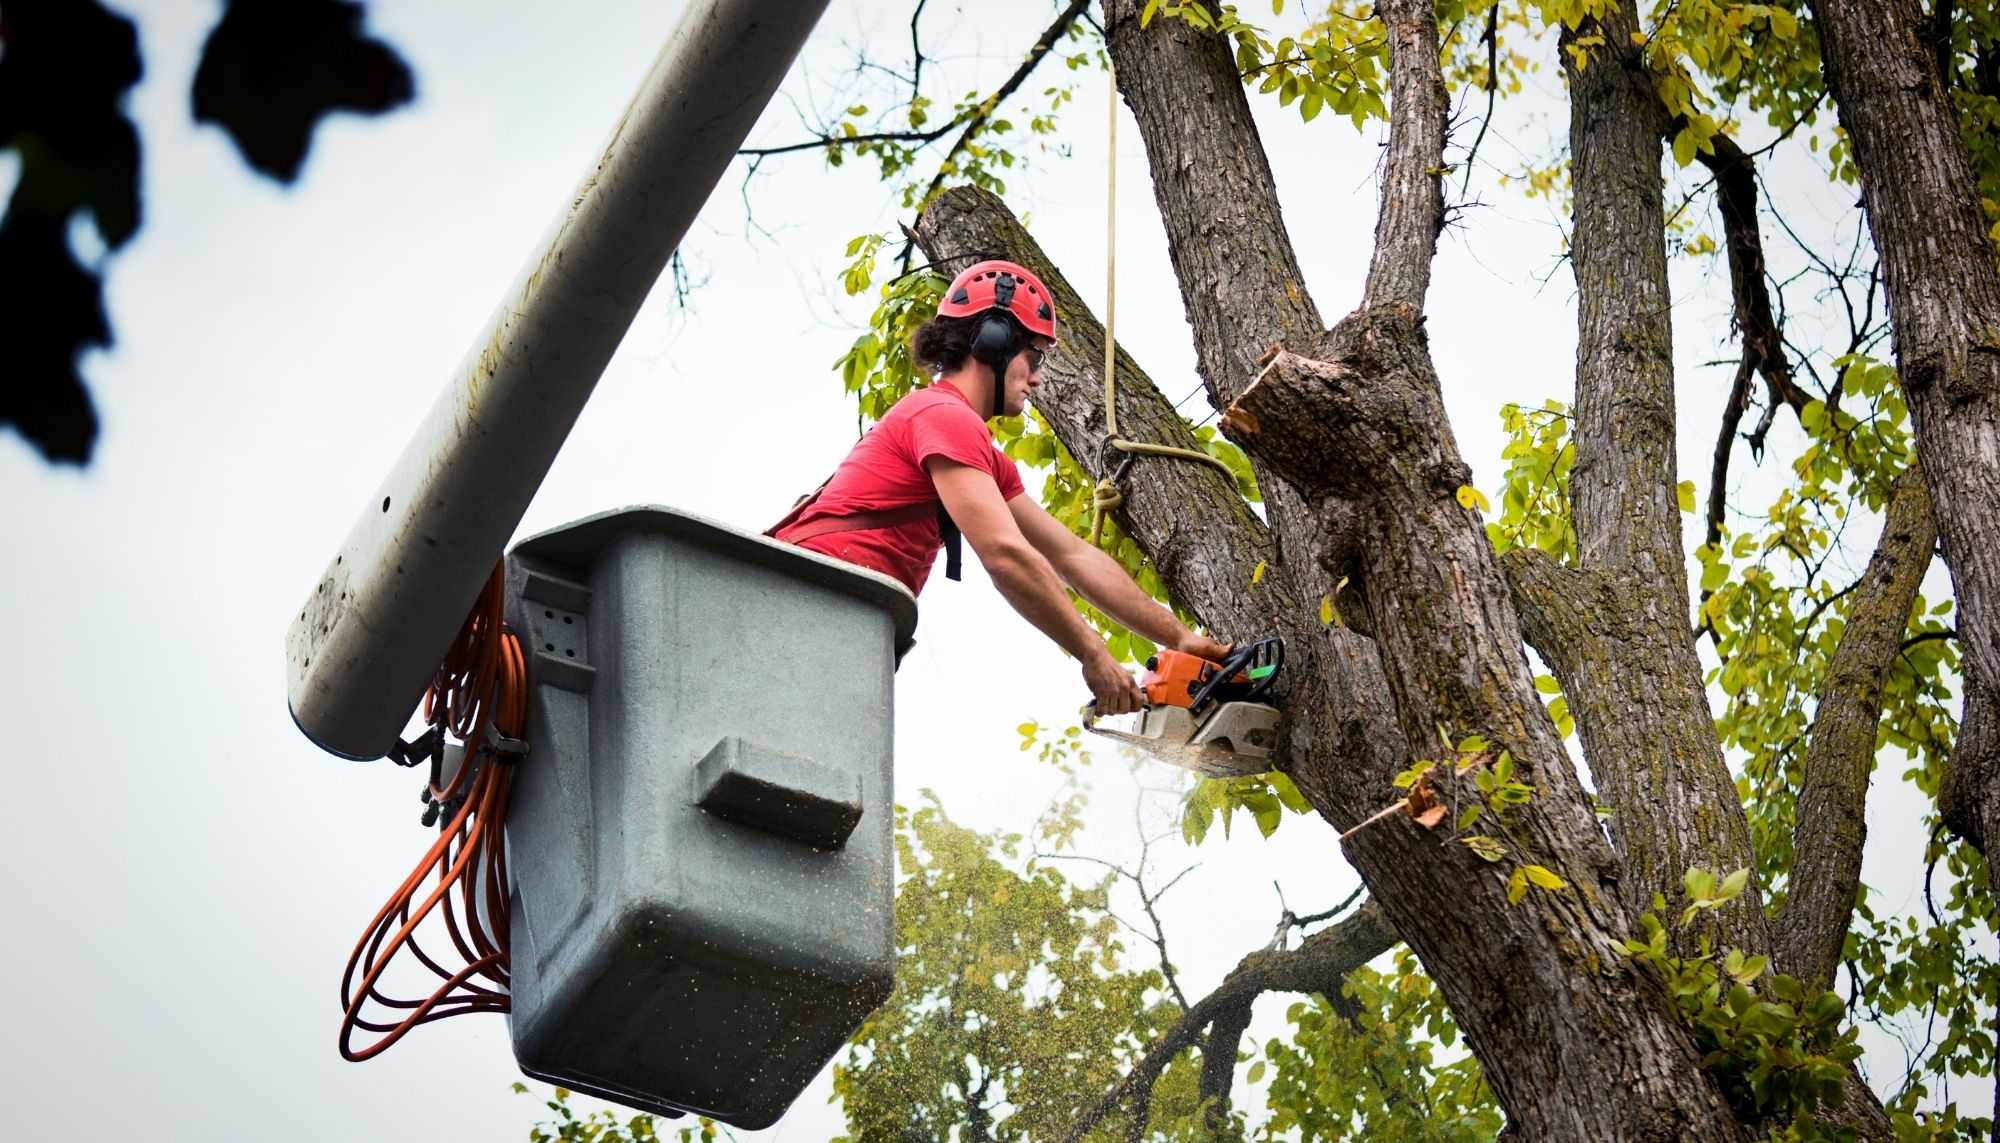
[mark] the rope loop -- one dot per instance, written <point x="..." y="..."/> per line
<point x="1108" y="496"/>
<point x="1104" y="498"/>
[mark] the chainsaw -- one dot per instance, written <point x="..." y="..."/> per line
<point x="1203" y="715"/>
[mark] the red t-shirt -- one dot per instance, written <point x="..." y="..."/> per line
<point x="885" y="471"/>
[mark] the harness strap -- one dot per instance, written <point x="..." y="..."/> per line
<point x="862" y="521"/>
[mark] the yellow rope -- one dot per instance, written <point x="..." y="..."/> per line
<point x="1107" y="496"/>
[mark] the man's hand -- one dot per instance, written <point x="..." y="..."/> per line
<point x="1112" y="688"/>
<point x="1203" y="646"/>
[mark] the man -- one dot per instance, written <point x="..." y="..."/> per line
<point x="930" y="471"/>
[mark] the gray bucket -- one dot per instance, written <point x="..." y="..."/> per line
<point x="700" y="834"/>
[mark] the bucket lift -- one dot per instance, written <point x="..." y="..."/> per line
<point x="701" y="903"/>
<point x="706" y="898"/>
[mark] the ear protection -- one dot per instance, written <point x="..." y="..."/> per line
<point x="997" y="340"/>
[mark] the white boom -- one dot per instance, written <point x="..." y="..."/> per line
<point x="380" y="619"/>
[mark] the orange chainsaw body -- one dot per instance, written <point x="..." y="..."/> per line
<point x="1173" y="677"/>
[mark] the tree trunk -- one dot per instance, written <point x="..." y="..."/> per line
<point x="1577" y="1042"/>
<point x="1626" y="659"/>
<point x="1943" y="290"/>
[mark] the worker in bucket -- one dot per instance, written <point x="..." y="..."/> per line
<point x="929" y="471"/>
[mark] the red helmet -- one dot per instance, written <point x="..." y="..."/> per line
<point x="1001" y="285"/>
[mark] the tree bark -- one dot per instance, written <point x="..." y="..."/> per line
<point x="1943" y="290"/>
<point x="1629" y="668"/>
<point x="1942" y="283"/>
<point x="1826" y="871"/>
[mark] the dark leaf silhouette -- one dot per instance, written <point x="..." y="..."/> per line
<point x="272" y="68"/>
<point x="66" y="67"/>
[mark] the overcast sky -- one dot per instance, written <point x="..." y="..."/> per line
<point x="189" y="873"/>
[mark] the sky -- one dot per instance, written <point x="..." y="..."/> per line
<point x="189" y="873"/>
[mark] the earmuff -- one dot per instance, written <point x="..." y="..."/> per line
<point x="996" y="340"/>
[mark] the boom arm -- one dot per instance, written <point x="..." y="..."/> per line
<point x="368" y="638"/>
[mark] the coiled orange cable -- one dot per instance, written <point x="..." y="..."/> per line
<point x="482" y="683"/>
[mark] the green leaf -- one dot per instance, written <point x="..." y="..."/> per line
<point x="1487" y="848"/>
<point x="1684" y="148"/>
<point x="1685" y="494"/>
<point x="1544" y="878"/>
<point x="1733" y="885"/>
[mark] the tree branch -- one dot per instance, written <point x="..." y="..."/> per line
<point x="1055" y="31"/>
<point x="1633" y="677"/>
<point x="1240" y="281"/>
<point x="970" y="122"/>
<point x="1189" y="519"/>
<point x="1412" y="212"/>
<point x="1763" y="344"/>
<point x="1718" y="471"/>
<point x="1319" y="964"/>
<point x="1826" y="874"/>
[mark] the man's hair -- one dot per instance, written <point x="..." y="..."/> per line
<point x="942" y="344"/>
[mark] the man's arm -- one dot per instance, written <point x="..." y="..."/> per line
<point x="1101" y="580"/>
<point x="1025" y="579"/>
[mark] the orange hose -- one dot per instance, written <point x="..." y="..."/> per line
<point x="482" y="682"/>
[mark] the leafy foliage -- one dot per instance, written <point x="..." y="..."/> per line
<point x="1780" y="1055"/>
<point x="1013" y="1008"/>
<point x="1534" y="491"/>
<point x="566" y="1126"/>
<point x="1381" y="1061"/>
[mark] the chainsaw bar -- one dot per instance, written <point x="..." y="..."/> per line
<point x="1233" y="741"/>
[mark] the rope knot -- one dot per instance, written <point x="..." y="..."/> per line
<point x="1106" y="497"/>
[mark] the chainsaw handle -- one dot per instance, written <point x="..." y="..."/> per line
<point x="1266" y="652"/>
<point x="1090" y="715"/>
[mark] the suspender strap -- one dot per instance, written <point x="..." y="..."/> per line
<point x="860" y="521"/>
<point x="948" y="532"/>
<point x="891" y="518"/>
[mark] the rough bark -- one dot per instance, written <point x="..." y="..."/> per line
<point x="1543" y="1003"/>
<point x="1629" y="666"/>
<point x="1826" y="872"/>
<point x="1239" y="276"/>
<point x="1943" y="290"/>
<point x="1970" y="799"/>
